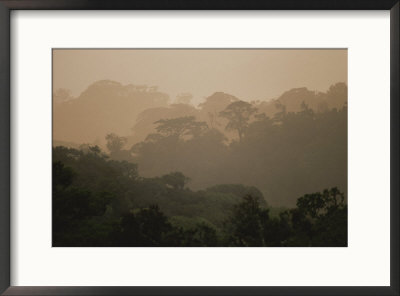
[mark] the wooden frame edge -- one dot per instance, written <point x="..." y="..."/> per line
<point x="7" y="6"/>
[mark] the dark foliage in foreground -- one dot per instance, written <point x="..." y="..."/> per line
<point x="102" y="202"/>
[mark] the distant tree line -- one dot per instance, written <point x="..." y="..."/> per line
<point x="284" y="156"/>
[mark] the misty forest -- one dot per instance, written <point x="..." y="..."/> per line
<point x="133" y="167"/>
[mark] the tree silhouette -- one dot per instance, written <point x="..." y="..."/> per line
<point x="144" y="227"/>
<point x="280" y="115"/>
<point x="176" y="180"/>
<point x="337" y="95"/>
<point x="181" y="126"/>
<point x="248" y="222"/>
<point x="317" y="204"/>
<point x="320" y="219"/>
<point x="238" y="115"/>
<point x="115" y="143"/>
<point x="62" y="176"/>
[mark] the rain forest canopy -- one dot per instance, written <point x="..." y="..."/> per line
<point x="285" y="147"/>
<point x="132" y="168"/>
<point x="199" y="147"/>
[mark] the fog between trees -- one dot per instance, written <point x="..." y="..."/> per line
<point x="199" y="147"/>
<point x="132" y="169"/>
<point x="285" y="147"/>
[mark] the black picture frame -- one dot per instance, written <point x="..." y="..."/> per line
<point x="7" y="6"/>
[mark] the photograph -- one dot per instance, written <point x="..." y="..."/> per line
<point x="199" y="147"/>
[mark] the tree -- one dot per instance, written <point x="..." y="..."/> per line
<point x="320" y="219"/>
<point x="281" y="113"/>
<point x="248" y="223"/>
<point x="73" y="208"/>
<point x="181" y="126"/>
<point x="62" y="176"/>
<point x="337" y="95"/>
<point x="176" y="180"/>
<point x="115" y="143"/>
<point x="238" y="115"/>
<point x="317" y="204"/>
<point x="144" y="227"/>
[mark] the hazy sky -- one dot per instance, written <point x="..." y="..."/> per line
<point x="247" y="74"/>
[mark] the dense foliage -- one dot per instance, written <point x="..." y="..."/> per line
<point x="284" y="156"/>
<point x="228" y="173"/>
<point x="103" y="202"/>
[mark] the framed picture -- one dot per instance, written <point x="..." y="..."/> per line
<point x="168" y="148"/>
